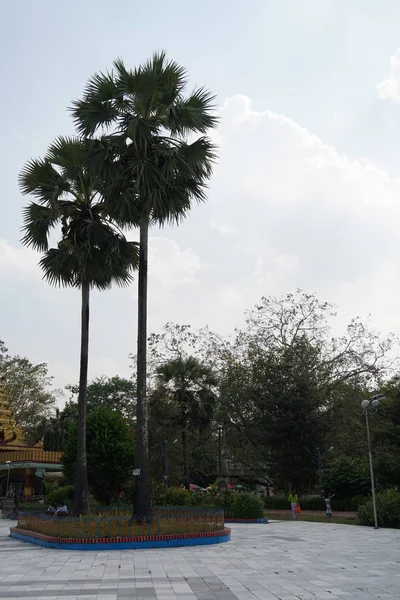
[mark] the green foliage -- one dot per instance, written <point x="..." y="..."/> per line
<point x="225" y="499"/>
<point x="116" y="392"/>
<point x="187" y="387"/>
<point x="31" y="507"/>
<point x="91" y="250"/>
<point x="388" y="509"/>
<point x="247" y="506"/>
<point x="61" y="495"/>
<point x="277" y="502"/>
<point x="28" y="389"/>
<point x="110" y="453"/>
<point x="175" y="496"/>
<point x="315" y="503"/>
<point x="348" y="477"/>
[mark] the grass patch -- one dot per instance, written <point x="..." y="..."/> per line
<point x="353" y="520"/>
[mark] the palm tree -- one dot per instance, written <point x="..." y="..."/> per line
<point x="142" y="121"/>
<point x="189" y="385"/>
<point x="91" y="252"/>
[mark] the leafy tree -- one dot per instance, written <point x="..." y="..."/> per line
<point x="189" y="387"/>
<point x="110" y="453"/>
<point x="348" y="477"/>
<point x="274" y="398"/>
<point x="277" y="323"/>
<point x="91" y="252"/>
<point x="28" y="389"/>
<point x="54" y="430"/>
<point x="116" y="392"/>
<point x="153" y="175"/>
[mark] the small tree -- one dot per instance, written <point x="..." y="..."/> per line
<point x="110" y="453"/>
<point x="188" y="386"/>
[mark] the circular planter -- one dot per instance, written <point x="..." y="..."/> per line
<point x="167" y="527"/>
<point x="122" y="543"/>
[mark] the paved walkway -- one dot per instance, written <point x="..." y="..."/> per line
<point x="285" y="560"/>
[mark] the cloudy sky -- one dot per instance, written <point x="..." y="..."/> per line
<point x="307" y="190"/>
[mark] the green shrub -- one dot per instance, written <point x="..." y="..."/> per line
<point x="388" y="509"/>
<point x="225" y="499"/>
<point x="61" y="495"/>
<point x="158" y="490"/>
<point x="277" y="502"/>
<point x="31" y="507"/>
<point x="247" y="506"/>
<point x="176" y="496"/>
<point x="201" y="499"/>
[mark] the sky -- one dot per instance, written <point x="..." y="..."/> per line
<point x="306" y="192"/>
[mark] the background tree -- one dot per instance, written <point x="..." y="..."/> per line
<point x="54" y="430"/>
<point x="110" y="453"/>
<point x="153" y="175"/>
<point x="91" y="251"/>
<point x="189" y="388"/>
<point x="116" y="392"/>
<point x="28" y="389"/>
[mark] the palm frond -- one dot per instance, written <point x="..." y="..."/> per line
<point x="42" y="180"/>
<point x="193" y="114"/>
<point x="38" y="220"/>
<point x="59" y="267"/>
<point x="66" y="152"/>
<point x="91" y="114"/>
<point x="102" y="86"/>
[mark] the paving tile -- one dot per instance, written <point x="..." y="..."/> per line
<point x="285" y="560"/>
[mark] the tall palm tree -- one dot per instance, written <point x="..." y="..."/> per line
<point x="190" y="386"/>
<point x="91" y="252"/>
<point x="142" y="121"/>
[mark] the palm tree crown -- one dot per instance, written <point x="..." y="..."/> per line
<point x="151" y="169"/>
<point x="91" y="249"/>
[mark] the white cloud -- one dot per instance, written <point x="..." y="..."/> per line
<point x="285" y="210"/>
<point x="18" y="260"/>
<point x="223" y="228"/>
<point x="389" y="88"/>
<point x="170" y="266"/>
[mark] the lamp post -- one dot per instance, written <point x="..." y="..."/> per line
<point x="319" y="469"/>
<point x="219" y="451"/>
<point x="165" y="444"/>
<point x="8" y="463"/>
<point x="366" y="405"/>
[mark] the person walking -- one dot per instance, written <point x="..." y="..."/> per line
<point x="294" y="503"/>
<point x="328" y="506"/>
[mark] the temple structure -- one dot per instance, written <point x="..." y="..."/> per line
<point x="23" y="465"/>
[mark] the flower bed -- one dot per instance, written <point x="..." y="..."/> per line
<point x="162" y="522"/>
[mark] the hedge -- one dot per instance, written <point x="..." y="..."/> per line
<point x="315" y="503"/>
<point x="247" y="506"/>
<point x="61" y="495"/>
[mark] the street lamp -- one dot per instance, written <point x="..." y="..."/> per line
<point x="8" y="463"/>
<point x="165" y="454"/>
<point x="366" y="405"/>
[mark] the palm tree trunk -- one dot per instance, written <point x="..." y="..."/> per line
<point x="184" y="460"/>
<point x="142" y="488"/>
<point x="81" y="499"/>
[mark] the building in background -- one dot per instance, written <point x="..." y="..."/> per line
<point x="23" y="465"/>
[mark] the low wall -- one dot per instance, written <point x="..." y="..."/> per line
<point x="123" y="543"/>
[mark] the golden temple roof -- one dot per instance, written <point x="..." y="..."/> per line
<point x="11" y="434"/>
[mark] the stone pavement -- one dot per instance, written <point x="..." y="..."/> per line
<point x="281" y="560"/>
